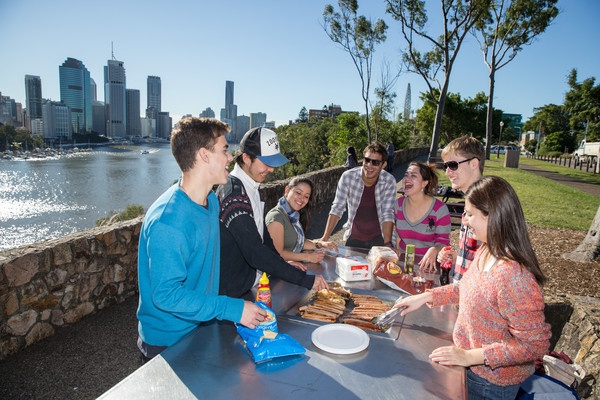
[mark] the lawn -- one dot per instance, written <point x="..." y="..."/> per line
<point x="546" y="203"/>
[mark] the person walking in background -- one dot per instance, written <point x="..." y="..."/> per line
<point x="178" y="253"/>
<point x="351" y="159"/>
<point x="500" y="330"/>
<point x="464" y="159"/>
<point x="390" y="161"/>
<point x="421" y="219"/>
<point x="289" y="220"/>
<point x="368" y="194"/>
<point x="246" y="246"/>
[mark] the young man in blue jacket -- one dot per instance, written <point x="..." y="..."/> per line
<point x="179" y="248"/>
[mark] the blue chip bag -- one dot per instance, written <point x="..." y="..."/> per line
<point x="265" y="342"/>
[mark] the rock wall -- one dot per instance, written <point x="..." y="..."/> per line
<point x="575" y="324"/>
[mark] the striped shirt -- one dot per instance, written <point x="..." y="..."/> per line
<point x="431" y="230"/>
<point x="501" y="311"/>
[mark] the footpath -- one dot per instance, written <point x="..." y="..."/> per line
<point x="85" y="360"/>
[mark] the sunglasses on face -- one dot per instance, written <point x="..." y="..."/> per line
<point x="453" y="165"/>
<point x="375" y="163"/>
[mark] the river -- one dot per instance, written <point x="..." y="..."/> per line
<point x="47" y="198"/>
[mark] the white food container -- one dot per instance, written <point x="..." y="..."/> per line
<point x="353" y="268"/>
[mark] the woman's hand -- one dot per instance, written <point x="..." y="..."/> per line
<point x="322" y="244"/>
<point x="427" y="263"/>
<point x="452" y="355"/>
<point x="298" y="265"/>
<point x="412" y="303"/>
<point x="314" y="257"/>
<point x="446" y="254"/>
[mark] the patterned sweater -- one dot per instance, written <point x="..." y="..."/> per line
<point x="501" y="311"/>
<point x="243" y="251"/>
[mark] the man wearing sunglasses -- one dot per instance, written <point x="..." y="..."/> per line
<point x="464" y="159"/>
<point x="368" y="193"/>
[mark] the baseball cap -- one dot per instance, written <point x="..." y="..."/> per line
<point x="263" y="143"/>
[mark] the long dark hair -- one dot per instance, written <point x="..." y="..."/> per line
<point x="428" y="173"/>
<point x="507" y="236"/>
<point x="306" y="211"/>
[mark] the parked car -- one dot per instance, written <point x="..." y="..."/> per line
<point x="494" y="149"/>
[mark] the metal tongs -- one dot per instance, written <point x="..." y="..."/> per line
<point x="386" y="319"/>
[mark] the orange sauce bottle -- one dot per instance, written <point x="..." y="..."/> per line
<point x="264" y="290"/>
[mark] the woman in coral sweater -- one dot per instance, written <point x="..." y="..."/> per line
<point x="500" y="329"/>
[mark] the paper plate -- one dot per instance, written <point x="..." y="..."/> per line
<point x="340" y="338"/>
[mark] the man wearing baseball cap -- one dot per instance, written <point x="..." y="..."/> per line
<point x="246" y="246"/>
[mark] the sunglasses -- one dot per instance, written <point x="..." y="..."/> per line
<point x="453" y="165"/>
<point x="375" y="163"/>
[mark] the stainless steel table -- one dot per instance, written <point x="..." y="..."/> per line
<point x="212" y="361"/>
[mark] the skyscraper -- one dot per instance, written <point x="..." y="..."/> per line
<point x="229" y="113"/>
<point x="153" y="95"/>
<point x="114" y="98"/>
<point x="33" y="96"/>
<point x="133" y="122"/>
<point x="75" y="93"/>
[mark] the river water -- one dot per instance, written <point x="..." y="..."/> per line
<point x="48" y="198"/>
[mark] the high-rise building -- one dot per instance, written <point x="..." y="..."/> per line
<point x="243" y="125"/>
<point x="93" y="91"/>
<point x="75" y="92"/>
<point x="57" y="125"/>
<point x="153" y="93"/>
<point x="164" y="124"/>
<point x="257" y="119"/>
<point x="98" y="117"/>
<point x="133" y="122"/>
<point x="9" y="111"/>
<point x="114" y="98"/>
<point x="229" y="113"/>
<point x="207" y="113"/>
<point x="33" y="98"/>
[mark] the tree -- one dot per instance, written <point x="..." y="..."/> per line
<point x="385" y="97"/>
<point x="583" y="105"/>
<point x="458" y="17"/>
<point x="509" y="25"/>
<point x="589" y="249"/>
<point x="560" y="141"/>
<point x="302" y="115"/>
<point x="358" y="36"/>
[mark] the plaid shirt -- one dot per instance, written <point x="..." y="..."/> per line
<point x="349" y="192"/>
<point x="467" y="247"/>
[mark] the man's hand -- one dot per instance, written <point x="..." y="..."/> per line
<point x="252" y="315"/>
<point x="320" y="283"/>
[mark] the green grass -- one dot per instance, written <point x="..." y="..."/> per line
<point x="546" y="203"/>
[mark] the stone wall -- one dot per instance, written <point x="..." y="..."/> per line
<point x="51" y="284"/>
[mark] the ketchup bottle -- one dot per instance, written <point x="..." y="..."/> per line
<point x="264" y="290"/>
<point x="445" y="269"/>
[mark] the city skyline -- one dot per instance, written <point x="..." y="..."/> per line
<point x="279" y="64"/>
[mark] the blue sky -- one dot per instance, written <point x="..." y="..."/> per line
<point x="275" y="51"/>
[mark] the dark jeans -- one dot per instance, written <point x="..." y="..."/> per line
<point x="376" y="241"/>
<point x="148" y="351"/>
<point x="480" y="389"/>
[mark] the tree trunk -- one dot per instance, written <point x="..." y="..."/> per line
<point x="489" y="128"/>
<point x="589" y="249"/>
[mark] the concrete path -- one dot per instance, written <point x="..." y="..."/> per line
<point x="575" y="183"/>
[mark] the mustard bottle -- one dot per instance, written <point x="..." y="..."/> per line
<point x="264" y="290"/>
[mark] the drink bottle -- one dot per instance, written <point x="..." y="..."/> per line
<point x="445" y="268"/>
<point x="409" y="259"/>
<point x="264" y="290"/>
